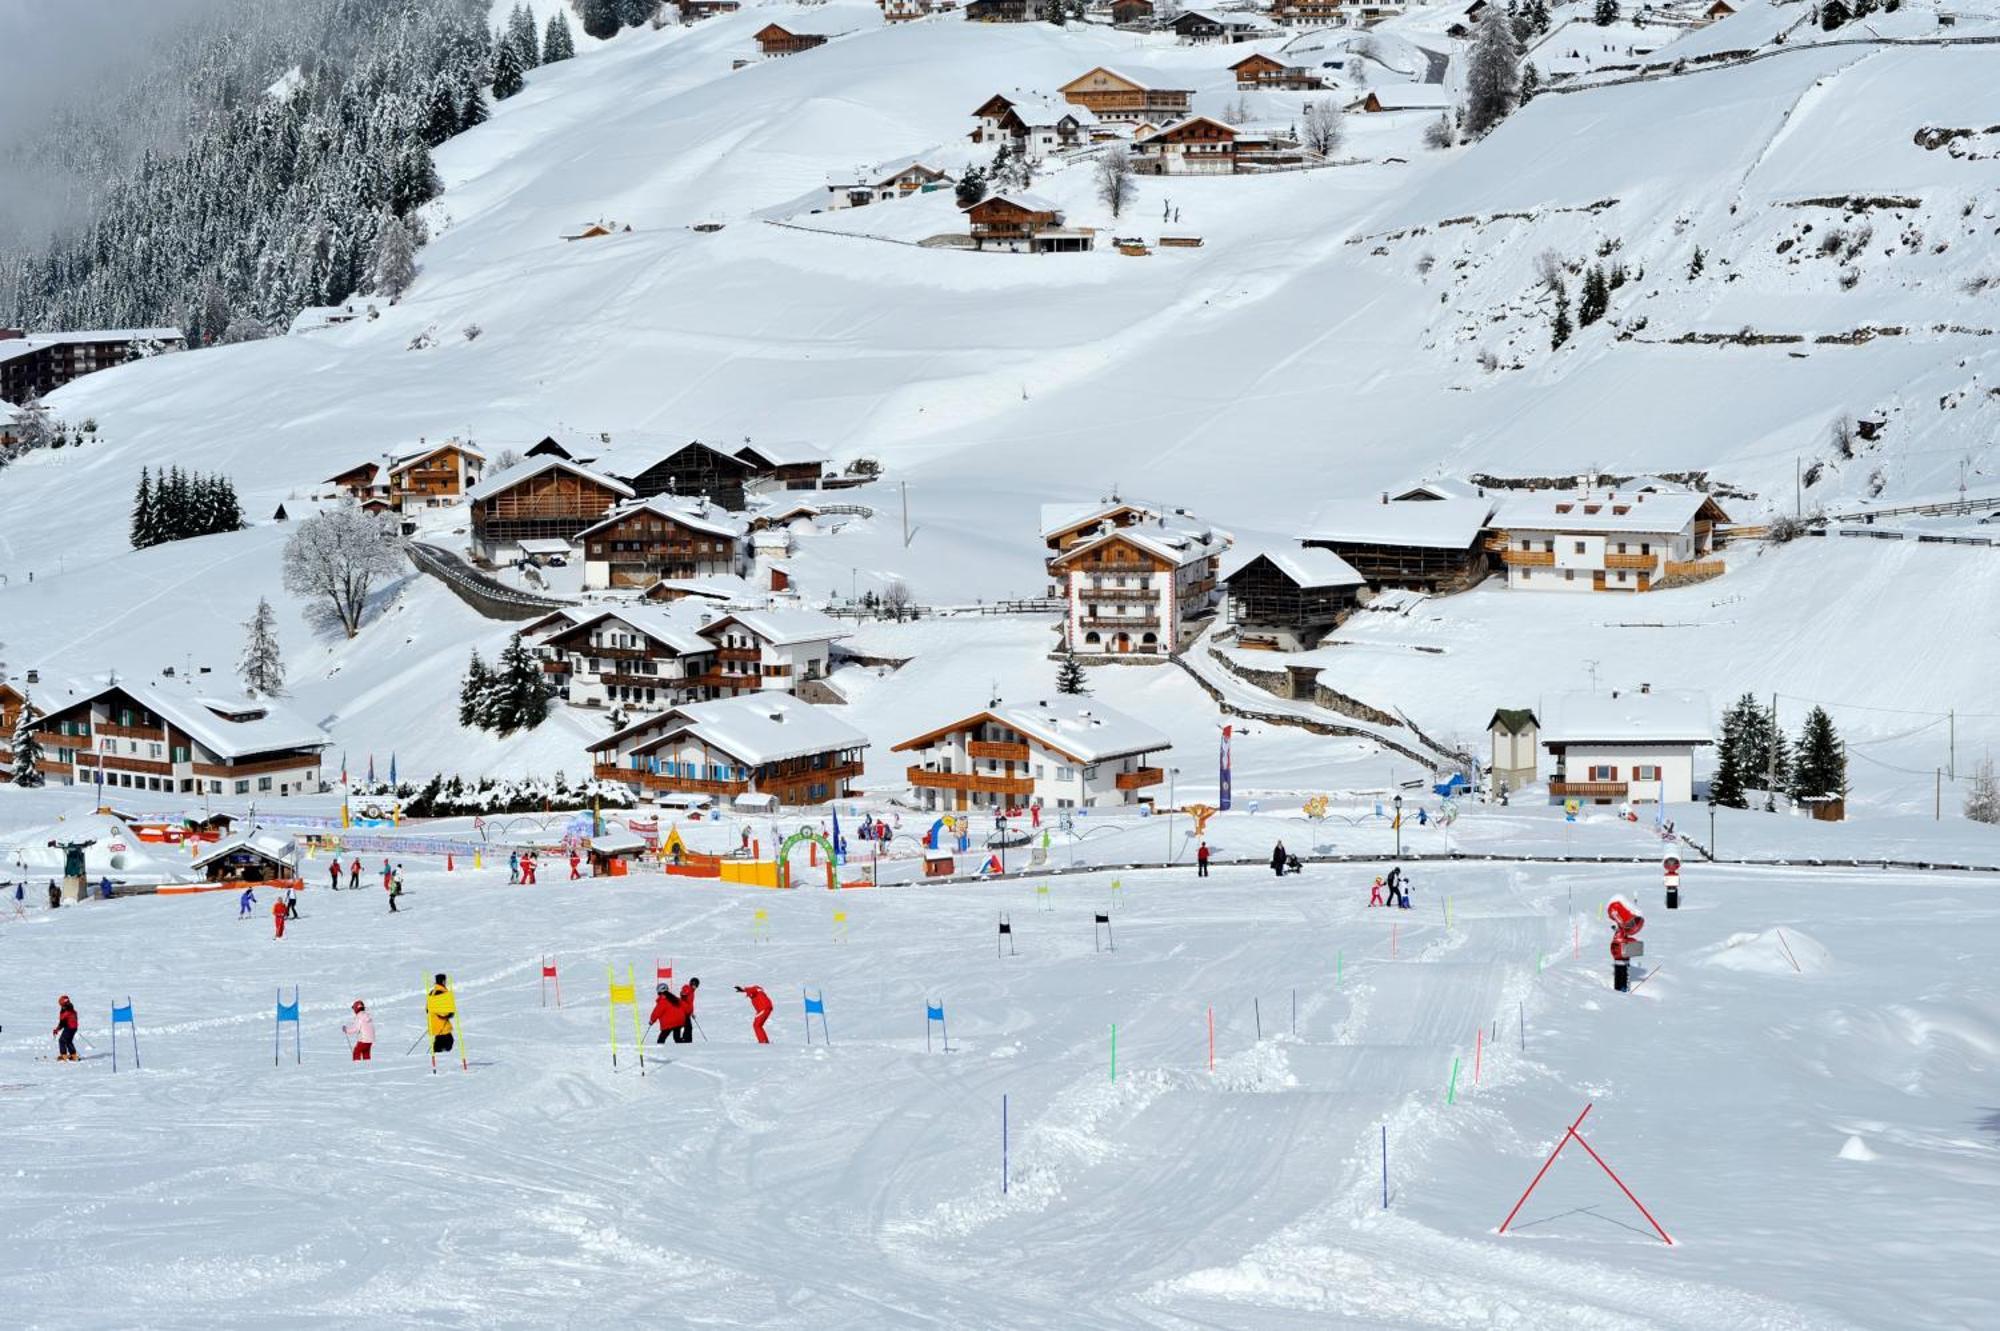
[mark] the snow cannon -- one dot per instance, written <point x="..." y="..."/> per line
<point x="1625" y="945"/>
<point x="1671" y="868"/>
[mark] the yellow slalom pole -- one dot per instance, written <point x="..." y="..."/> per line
<point x="611" y="987"/>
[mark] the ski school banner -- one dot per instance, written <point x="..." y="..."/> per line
<point x="1223" y="780"/>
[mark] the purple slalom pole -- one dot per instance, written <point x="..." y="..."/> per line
<point x="1003" y="1145"/>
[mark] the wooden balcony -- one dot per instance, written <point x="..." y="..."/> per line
<point x="257" y="767"/>
<point x="1140" y="779"/>
<point x="662" y="781"/>
<point x="1090" y="594"/>
<point x="1588" y="790"/>
<point x="1528" y="558"/>
<point x="998" y="750"/>
<point x="747" y="655"/>
<point x="1637" y="563"/>
<point x="158" y="734"/>
<point x="971" y="782"/>
<point x="116" y="764"/>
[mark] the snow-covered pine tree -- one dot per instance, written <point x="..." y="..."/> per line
<point x="1982" y="801"/>
<point x="1834" y="14"/>
<point x="1531" y="82"/>
<point x="471" y="104"/>
<point x="558" y="43"/>
<point x="521" y="36"/>
<point x="413" y="182"/>
<point x="506" y="72"/>
<point x="262" y="665"/>
<point x="524" y="702"/>
<point x="393" y="265"/>
<point x="28" y="747"/>
<point x="1726" y="786"/>
<point x="1493" y="77"/>
<point x="1538" y="15"/>
<point x="636" y="13"/>
<point x="1605" y="13"/>
<point x="1821" y="759"/>
<point x="472" y="693"/>
<point x="1596" y="298"/>
<point x="142" y="512"/>
<point x="600" y="18"/>
<point x="1069" y="675"/>
<point x="1559" y="326"/>
<point x="441" y="116"/>
<point x="971" y="187"/>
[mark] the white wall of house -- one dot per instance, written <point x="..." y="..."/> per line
<point x="1673" y="763"/>
<point x="1580" y="557"/>
<point x="1059" y="782"/>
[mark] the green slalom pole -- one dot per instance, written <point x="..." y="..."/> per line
<point x="1451" y="1091"/>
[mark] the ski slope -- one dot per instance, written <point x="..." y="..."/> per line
<point x="860" y="1185"/>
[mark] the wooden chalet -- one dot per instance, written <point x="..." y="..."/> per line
<point x="773" y="41"/>
<point x="1197" y="146"/>
<point x="1130" y="12"/>
<point x="765" y="744"/>
<point x="1065" y="525"/>
<point x="694" y="11"/>
<point x="255" y="856"/>
<point x="161" y="737"/>
<point x="363" y="481"/>
<point x="694" y="470"/>
<point x="1058" y="753"/>
<point x="1287" y="600"/>
<point x="658" y="538"/>
<point x="789" y="466"/>
<point x="637" y="658"/>
<point x="1314" y="13"/>
<point x="440" y="474"/>
<point x="1113" y="96"/>
<point x="1261" y="71"/>
<point x="902" y="11"/>
<point x="1404" y="97"/>
<point x="996" y="11"/>
<point x="546" y="500"/>
<point x="12" y="700"/>
<point x="1434" y="545"/>
<point x="1721" y="9"/>
<point x="1139" y="590"/>
<point x="1024" y="223"/>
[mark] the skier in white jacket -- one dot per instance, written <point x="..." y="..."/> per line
<point x="362" y="1028"/>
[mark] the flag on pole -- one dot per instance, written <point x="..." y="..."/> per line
<point x="1223" y="782"/>
<point x="343" y="767"/>
<point x="392" y="767"/>
<point x="839" y="841"/>
<point x="371" y="768"/>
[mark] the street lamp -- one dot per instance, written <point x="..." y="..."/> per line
<point x="1172" y="772"/>
<point x="1398" y="802"/>
<point x="1711" y="830"/>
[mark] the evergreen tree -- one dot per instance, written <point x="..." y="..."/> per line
<point x="600" y="18"/>
<point x="506" y="73"/>
<point x="1821" y="759"/>
<point x="471" y="105"/>
<point x="1559" y="327"/>
<point x="393" y="267"/>
<point x="635" y="13"/>
<point x="557" y="42"/>
<point x="472" y="691"/>
<point x="521" y="36"/>
<point x="413" y="179"/>
<point x="441" y="114"/>
<point x="1605" y="14"/>
<point x="1054" y="12"/>
<point x="1834" y="14"/>
<point x="1596" y="296"/>
<point x="262" y="665"/>
<point x="1531" y="82"/>
<point x="142" y="513"/>
<point x="1696" y="264"/>
<point x="1070" y="676"/>
<point x="1538" y="15"/>
<point x="523" y="702"/>
<point x="27" y="747"/>
<point x="1726" y="786"/>
<point x="971" y="187"/>
<point x="1493" y="78"/>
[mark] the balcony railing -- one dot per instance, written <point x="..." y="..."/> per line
<point x="1695" y="570"/>
<point x="1588" y="790"/>
<point x="1638" y="563"/>
<point x="998" y="750"/>
<point x="970" y="782"/>
<point x="662" y="781"/>
<point x="1528" y="558"/>
<point x="1140" y="779"/>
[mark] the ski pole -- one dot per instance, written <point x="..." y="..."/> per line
<point x="413" y="1044"/>
<point x="697" y="1026"/>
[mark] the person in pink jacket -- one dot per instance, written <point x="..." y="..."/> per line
<point x="362" y="1028"/>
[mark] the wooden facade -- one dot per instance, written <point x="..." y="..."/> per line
<point x="435" y="476"/>
<point x="1197" y="146"/>
<point x="1114" y="96"/>
<point x="1421" y="567"/>
<point x="1261" y="71"/>
<point x="790" y="473"/>
<point x="997" y="11"/>
<point x="643" y="545"/>
<point x="116" y="734"/>
<point x="553" y="504"/>
<point x="773" y="40"/>
<point x="1268" y="606"/>
<point x="1131" y="11"/>
<point x="11" y="700"/>
<point x="1023" y="223"/>
<point x="695" y="469"/>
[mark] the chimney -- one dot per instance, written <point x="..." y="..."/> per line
<point x="1385" y="496"/>
<point x="1645" y="688"/>
<point x="34" y="676"/>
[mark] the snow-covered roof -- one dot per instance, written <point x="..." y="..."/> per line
<point x="1085" y="730"/>
<point x="1227" y="128"/>
<point x="783" y="453"/>
<point x="109" y="335"/>
<point x="543" y="545"/>
<point x="1151" y="80"/>
<point x="227" y="727"/>
<point x="1060" y="518"/>
<point x="669" y="625"/>
<point x="1178" y="543"/>
<point x="409" y="460"/>
<point x="617" y="843"/>
<point x="1306" y="566"/>
<point x="1439" y="524"/>
<point x="271" y="845"/>
<point x="1445" y="487"/>
<point x="1022" y="199"/>
<point x="513" y="476"/>
<point x="1661" y="716"/>
<point x="1409" y="97"/>
<point x="717" y="588"/>
<point x="782" y="628"/>
<point x="691" y="513"/>
<point x="763" y="727"/>
<point x="1599" y="510"/>
<point x="1038" y="111"/>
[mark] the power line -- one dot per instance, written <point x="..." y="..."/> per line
<point x="1898" y="711"/>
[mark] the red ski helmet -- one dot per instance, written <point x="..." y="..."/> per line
<point x="63" y="1000"/>
<point x="358" y="1005"/>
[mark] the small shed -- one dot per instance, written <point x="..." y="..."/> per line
<point x="255" y="856"/>
<point x="611" y="855"/>
<point x="545" y="550"/>
<point x="1516" y="735"/>
<point x="1826" y="808"/>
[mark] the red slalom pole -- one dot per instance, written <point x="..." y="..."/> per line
<point x="1620" y="1182"/>
<point x="1568" y="1132"/>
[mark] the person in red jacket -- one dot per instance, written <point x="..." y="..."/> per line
<point x="684" y="1034"/>
<point x="1201" y="860"/>
<point x="666" y="1013"/>
<point x="575" y="866"/>
<point x="65" y="1031"/>
<point x="760" y="1003"/>
<point x="278" y="917"/>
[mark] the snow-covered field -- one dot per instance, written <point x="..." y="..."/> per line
<point x="1818" y="1141"/>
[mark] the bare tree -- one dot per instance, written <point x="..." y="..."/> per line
<point x="1440" y="133"/>
<point x="898" y="598"/>
<point x="334" y="558"/>
<point x="1114" y="178"/>
<point x="393" y="266"/>
<point x="1323" y="127"/>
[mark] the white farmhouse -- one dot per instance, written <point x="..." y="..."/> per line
<point x="764" y="650"/>
<point x="1606" y="540"/>
<point x="1624" y="745"/>
<point x="1141" y="589"/>
<point x="1061" y="753"/>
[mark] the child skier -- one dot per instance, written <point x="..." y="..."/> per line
<point x="666" y="1012"/>
<point x="575" y="866"/>
<point x="354" y="875"/>
<point x="278" y="918"/>
<point x="1375" y="892"/>
<point x="438" y="1007"/>
<point x="760" y="1003"/>
<point x="513" y="867"/>
<point x="387" y="874"/>
<point x="362" y="1028"/>
<point x="65" y="1031"/>
<point x="245" y="902"/>
<point x="395" y="886"/>
<point x="684" y="1034"/>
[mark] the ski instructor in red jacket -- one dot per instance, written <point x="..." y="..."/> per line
<point x="760" y="1003"/>
<point x="667" y="1013"/>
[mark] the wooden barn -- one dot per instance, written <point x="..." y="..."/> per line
<point x="547" y="500"/>
<point x="694" y="470"/>
<point x="1287" y="600"/>
<point x="1431" y="545"/>
<point x="774" y="41"/>
<point x="1024" y="223"/>
<point x="1111" y="95"/>
<point x="660" y="538"/>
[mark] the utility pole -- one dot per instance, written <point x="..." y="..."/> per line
<point x="1937" y="799"/>
<point x="1798" y="488"/>
<point x="1771" y="780"/>
<point x="1952" y="754"/>
<point x="906" y="514"/>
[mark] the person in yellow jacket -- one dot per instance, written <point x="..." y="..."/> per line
<point x="440" y="1005"/>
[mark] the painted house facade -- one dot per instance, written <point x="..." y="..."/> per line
<point x="1197" y="146"/>
<point x="1622" y="746"/>
<point x="1606" y="540"/>
<point x="1058" y="753"/>
<point x="662" y="537"/>
<point x="1141" y="590"/>
<point x="766" y="744"/>
<point x="1115" y="97"/>
<point x="544" y="500"/>
<point x="1035" y="126"/>
<point x="169" y="739"/>
<point x="637" y="659"/>
<point x="770" y="650"/>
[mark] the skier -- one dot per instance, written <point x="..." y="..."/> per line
<point x="278" y="918"/>
<point x="1201" y="860"/>
<point x="387" y="874"/>
<point x="438" y="1006"/>
<point x="575" y="861"/>
<point x="243" y="903"/>
<point x="513" y="867"/>
<point x="333" y="874"/>
<point x="760" y="1003"/>
<point x="1278" y="859"/>
<point x="1423" y="817"/>
<point x="684" y="1034"/>
<point x="1375" y="892"/>
<point x="1394" y="893"/>
<point x="354" y="875"/>
<point x="362" y="1028"/>
<point x="395" y="886"/>
<point x="528" y="868"/>
<point x="666" y="1012"/>
<point x="291" y="905"/>
<point x="65" y="1031"/>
